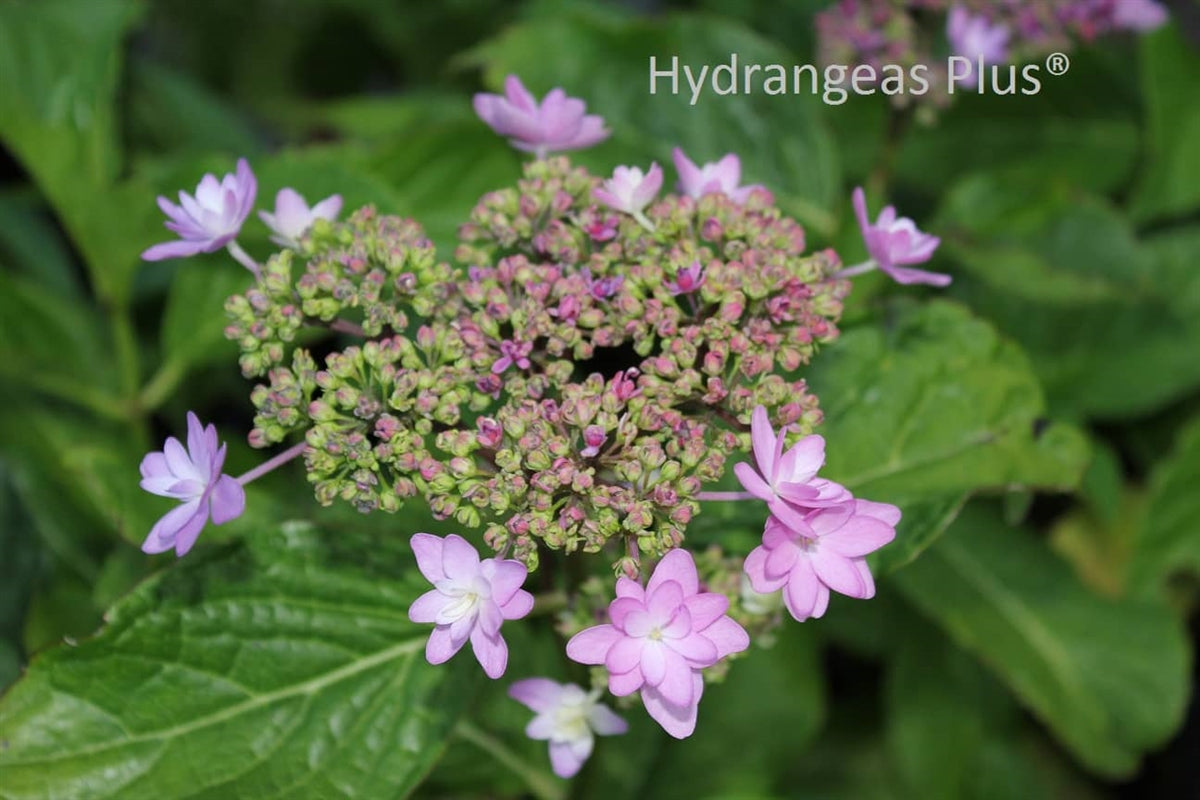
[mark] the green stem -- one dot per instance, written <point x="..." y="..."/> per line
<point x="540" y="784"/>
<point x="125" y="345"/>
<point x="161" y="384"/>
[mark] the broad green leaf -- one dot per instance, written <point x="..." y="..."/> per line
<point x="286" y="667"/>
<point x="193" y="327"/>
<point x="170" y="111"/>
<point x="59" y="64"/>
<point x="1169" y="185"/>
<point x="1067" y="278"/>
<point x="30" y="244"/>
<point x="1109" y="678"/>
<point x="1168" y="539"/>
<point x="933" y="403"/>
<point x="605" y="59"/>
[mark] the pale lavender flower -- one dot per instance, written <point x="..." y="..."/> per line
<point x="723" y="177"/>
<point x="192" y="476"/>
<point x="894" y="241"/>
<point x="210" y="220"/>
<point x="1138" y="15"/>
<point x="568" y="717"/>
<point x="827" y="551"/>
<point x="687" y="280"/>
<point x="974" y="37"/>
<point x="787" y="482"/>
<point x="293" y="217"/>
<point x="594" y="438"/>
<point x="629" y="190"/>
<point x="512" y="353"/>
<point x="557" y="123"/>
<point x="471" y="599"/>
<point x="660" y="638"/>
<point x="602" y="288"/>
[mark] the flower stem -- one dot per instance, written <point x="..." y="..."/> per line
<point x="541" y="785"/>
<point x="272" y="463"/>
<point x="857" y="269"/>
<point x="342" y="326"/>
<point x="641" y="219"/>
<point x="161" y="384"/>
<point x="725" y="496"/>
<point x="244" y="258"/>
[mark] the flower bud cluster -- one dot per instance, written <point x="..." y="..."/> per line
<point x="573" y="387"/>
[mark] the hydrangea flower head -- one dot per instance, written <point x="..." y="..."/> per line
<point x="292" y="216"/>
<point x="209" y="220"/>
<point x="471" y="599"/>
<point x="787" y="481"/>
<point x="825" y="553"/>
<point x="192" y="476"/>
<point x="555" y="124"/>
<point x="629" y="190"/>
<point x="895" y="242"/>
<point x="974" y="37"/>
<point x="659" y="638"/>
<point x="568" y="717"/>
<point x="722" y="176"/>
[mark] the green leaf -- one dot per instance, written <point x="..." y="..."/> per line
<point x="1067" y="278"/>
<point x="286" y="667"/>
<point x="1168" y="539"/>
<point x="605" y="59"/>
<point x="59" y="64"/>
<point x="193" y="327"/>
<point x="1110" y="679"/>
<point x="935" y="403"/>
<point x="1170" y="182"/>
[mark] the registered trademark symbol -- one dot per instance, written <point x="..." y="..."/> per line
<point x="1057" y="63"/>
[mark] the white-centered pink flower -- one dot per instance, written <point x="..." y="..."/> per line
<point x="292" y="216"/>
<point x="193" y="477"/>
<point x="555" y="124"/>
<point x="787" y="481"/>
<point x="470" y="600"/>
<point x="211" y="219"/>
<point x="659" y="639"/>
<point x="568" y="717"/>
<point x="720" y="177"/>
<point x="826" y="553"/>
<point x="894" y="242"/>
<point x="630" y="190"/>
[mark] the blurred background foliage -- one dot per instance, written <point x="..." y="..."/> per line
<point x="1039" y="421"/>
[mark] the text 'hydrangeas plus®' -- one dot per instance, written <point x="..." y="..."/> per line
<point x="574" y="387"/>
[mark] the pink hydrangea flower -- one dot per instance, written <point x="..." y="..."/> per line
<point x="723" y="176"/>
<point x="471" y="599"/>
<point x="660" y="638"/>
<point x="787" y="482"/>
<point x="687" y="280"/>
<point x="826" y="552"/>
<point x="594" y="438"/>
<point x="974" y="37"/>
<point x="557" y="123"/>
<point x="192" y="476"/>
<point x="629" y="190"/>
<point x="894" y="241"/>
<point x="293" y="217"/>
<point x="512" y="353"/>
<point x="568" y="717"/>
<point x="210" y="220"/>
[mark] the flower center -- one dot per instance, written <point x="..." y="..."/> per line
<point x="571" y="722"/>
<point x="465" y="603"/>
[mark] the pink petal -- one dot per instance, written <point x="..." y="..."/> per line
<point x="177" y="459"/>
<point x="605" y="722"/>
<point x="627" y="587"/>
<point x="755" y="568"/>
<point x="728" y="636"/>
<point x="154" y="465"/>
<point x="662" y="600"/>
<point x="460" y="561"/>
<point x="859" y="199"/>
<point x="228" y="500"/>
<point x="822" y="603"/>
<point x="679" y="624"/>
<point x="678" y="722"/>
<point x="490" y="651"/>
<point x="776" y="534"/>
<point x="165" y="532"/>
<point x="328" y="208"/>
<point x="678" y="566"/>
<point x="800" y="595"/>
<point x="653" y="662"/>
<point x="676" y="683"/>
<point x="789" y="516"/>
<point x="620" y="609"/>
<point x="765" y="443"/>
<point x="752" y="483"/>
<point x="539" y="694"/>
<point x="441" y="646"/>
<point x="706" y="608"/>
<point x="781" y="560"/>
<point x="906" y="276"/>
<point x="490" y="619"/>
<point x="609" y="199"/>
<point x="689" y="175"/>
<point x="802" y="462"/>
<point x="541" y="727"/>
<point x="428" y="606"/>
<point x="428" y="550"/>
<point x="520" y="604"/>
<point x="591" y="646"/>
<point x="516" y="93"/>
<point x="566" y="758"/>
<point x="864" y="574"/>
<point x="698" y="650"/>
<point x="859" y="536"/>
<point x="622" y="684"/>
<point x="625" y="655"/>
<point x="838" y="573"/>
<point x="504" y="576"/>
